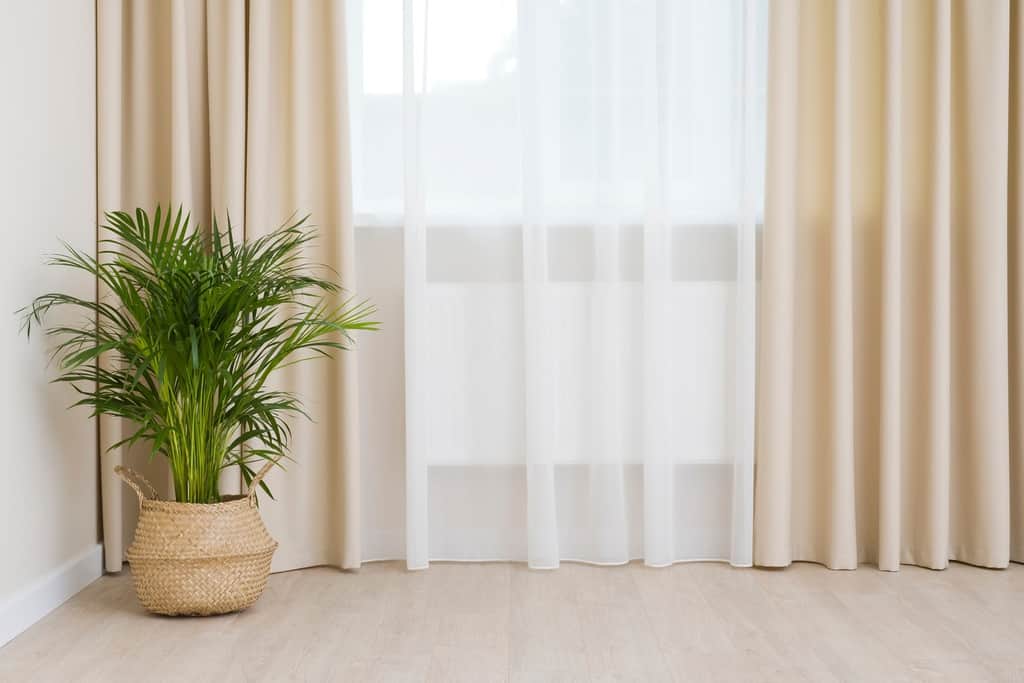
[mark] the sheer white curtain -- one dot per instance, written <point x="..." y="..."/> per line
<point x="579" y="185"/>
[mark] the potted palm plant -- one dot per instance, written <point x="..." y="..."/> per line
<point x="182" y="347"/>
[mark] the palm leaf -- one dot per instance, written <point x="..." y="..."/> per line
<point x="194" y="326"/>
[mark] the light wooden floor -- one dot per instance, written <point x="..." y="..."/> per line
<point x="481" y="622"/>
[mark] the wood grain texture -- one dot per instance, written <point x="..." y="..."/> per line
<point x="504" y="622"/>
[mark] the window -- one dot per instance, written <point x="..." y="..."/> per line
<point x="578" y="184"/>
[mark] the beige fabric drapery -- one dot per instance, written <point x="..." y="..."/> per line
<point x="235" y="106"/>
<point x="892" y="319"/>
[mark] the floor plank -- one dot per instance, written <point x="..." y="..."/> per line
<point x="504" y="622"/>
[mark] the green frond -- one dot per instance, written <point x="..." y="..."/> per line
<point x="190" y="331"/>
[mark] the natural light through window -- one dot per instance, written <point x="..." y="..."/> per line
<point x="610" y="81"/>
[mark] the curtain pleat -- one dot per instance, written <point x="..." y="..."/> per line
<point x="890" y="344"/>
<point x="1016" y="265"/>
<point x="238" y="108"/>
<point x="298" y="163"/>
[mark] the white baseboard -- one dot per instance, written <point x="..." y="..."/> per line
<point x="48" y="592"/>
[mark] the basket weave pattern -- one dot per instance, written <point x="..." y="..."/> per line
<point x="194" y="559"/>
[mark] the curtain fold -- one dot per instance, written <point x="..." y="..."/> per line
<point x="890" y="330"/>
<point x="235" y="107"/>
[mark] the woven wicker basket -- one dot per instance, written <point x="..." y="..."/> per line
<point x="196" y="559"/>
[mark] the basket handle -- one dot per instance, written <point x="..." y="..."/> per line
<point x="130" y="477"/>
<point x="255" y="483"/>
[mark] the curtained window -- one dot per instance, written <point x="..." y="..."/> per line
<point x="577" y="185"/>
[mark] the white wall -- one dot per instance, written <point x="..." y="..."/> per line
<point x="48" y="462"/>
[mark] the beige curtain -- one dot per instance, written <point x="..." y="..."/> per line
<point x="892" y="319"/>
<point x="240" y="106"/>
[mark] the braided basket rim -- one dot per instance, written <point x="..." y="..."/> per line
<point x="226" y="503"/>
<point x="259" y="554"/>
